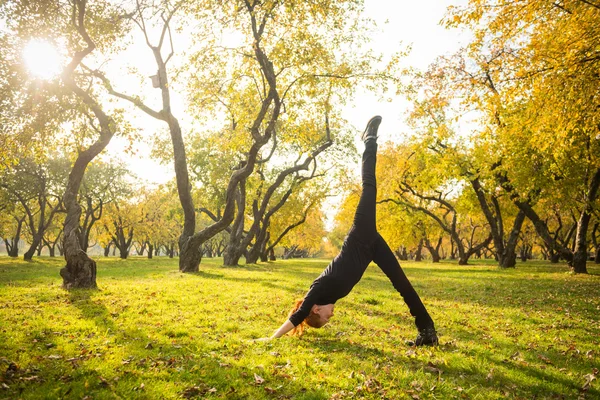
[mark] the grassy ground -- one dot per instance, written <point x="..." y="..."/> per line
<point x="151" y="332"/>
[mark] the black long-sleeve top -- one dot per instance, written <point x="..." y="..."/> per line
<point x="337" y="280"/>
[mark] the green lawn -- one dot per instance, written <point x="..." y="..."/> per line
<point x="151" y="332"/>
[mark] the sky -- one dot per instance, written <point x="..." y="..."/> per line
<point x="400" y="23"/>
<point x="404" y="23"/>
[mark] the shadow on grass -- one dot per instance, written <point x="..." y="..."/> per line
<point x="531" y="362"/>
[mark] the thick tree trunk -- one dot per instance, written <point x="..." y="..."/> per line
<point x="123" y="253"/>
<point x="434" y="251"/>
<point x="12" y="247"/>
<point x="232" y="255"/>
<point x="236" y="246"/>
<point x="150" y="250"/>
<point x="418" y="253"/>
<point x="580" y="256"/>
<point x="508" y="258"/>
<point x="35" y="244"/>
<point x="80" y="271"/>
<point x="272" y="255"/>
<point x="252" y="256"/>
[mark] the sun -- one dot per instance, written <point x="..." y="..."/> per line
<point x="42" y="59"/>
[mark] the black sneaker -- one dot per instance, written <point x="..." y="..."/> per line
<point x="426" y="337"/>
<point x="371" y="130"/>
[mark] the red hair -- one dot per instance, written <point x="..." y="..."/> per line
<point x="312" y="320"/>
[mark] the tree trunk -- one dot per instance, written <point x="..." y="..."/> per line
<point x="123" y="253"/>
<point x="236" y="246"/>
<point x="12" y="247"/>
<point x="579" y="265"/>
<point x="508" y="258"/>
<point x="80" y="271"/>
<point x="252" y="256"/>
<point x="272" y="255"/>
<point x="435" y="254"/>
<point x="418" y="253"/>
<point x="150" y="250"/>
<point x="37" y="240"/>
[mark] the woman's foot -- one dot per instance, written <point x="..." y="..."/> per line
<point x="371" y="130"/>
<point x="426" y="337"/>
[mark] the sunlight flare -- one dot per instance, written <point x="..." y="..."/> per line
<point x="42" y="59"/>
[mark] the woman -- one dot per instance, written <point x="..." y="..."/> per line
<point x="362" y="245"/>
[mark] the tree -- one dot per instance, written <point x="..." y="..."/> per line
<point x="103" y="182"/>
<point x="531" y="64"/>
<point x="36" y="186"/>
<point x="426" y="183"/>
<point x="69" y="22"/>
<point x="283" y="48"/>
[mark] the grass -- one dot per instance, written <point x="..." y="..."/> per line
<point x="151" y="332"/>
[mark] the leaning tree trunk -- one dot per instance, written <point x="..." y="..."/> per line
<point x="508" y="258"/>
<point x="80" y="271"/>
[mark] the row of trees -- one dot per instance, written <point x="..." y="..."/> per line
<point x="507" y="138"/>
<point x="118" y="215"/>
<point x="264" y="81"/>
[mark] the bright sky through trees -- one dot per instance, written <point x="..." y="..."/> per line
<point x="42" y="59"/>
<point x="401" y="24"/>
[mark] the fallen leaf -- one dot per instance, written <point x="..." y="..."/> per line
<point x="545" y="359"/>
<point x="431" y="367"/>
<point x="258" y="379"/>
<point x="588" y="380"/>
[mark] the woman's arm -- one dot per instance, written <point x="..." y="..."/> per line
<point x="283" y="329"/>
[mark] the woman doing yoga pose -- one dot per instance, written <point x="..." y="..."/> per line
<point x="362" y="245"/>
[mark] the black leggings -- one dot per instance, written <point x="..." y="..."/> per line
<point x="364" y="230"/>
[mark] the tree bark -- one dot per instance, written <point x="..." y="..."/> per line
<point x="80" y="271"/>
<point x="508" y="259"/>
<point x="12" y="245"/>
<point x="150" y="250"/>
<point x="235" y="246"/>
<point x="418" y="253"/>
<point x="434" y="251"/>
<point x="505" y="252"/>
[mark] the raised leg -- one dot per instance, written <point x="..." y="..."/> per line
<point x="385" y="259"/>
<point x="364" y="225"/>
